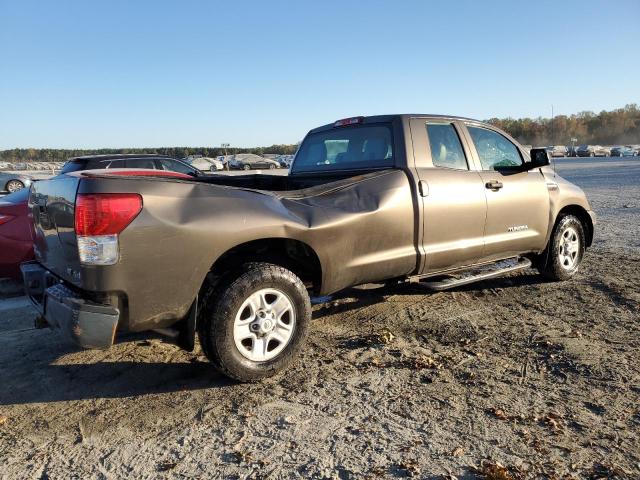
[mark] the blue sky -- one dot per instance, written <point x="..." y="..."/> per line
<point x="76" y="74"/>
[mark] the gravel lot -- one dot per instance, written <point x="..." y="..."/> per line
<point x="542" y="378"/>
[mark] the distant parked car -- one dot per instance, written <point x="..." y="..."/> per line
<point x="16" y="245"/>
<point x="145" y="161"/>
<point x="285" y="161"/>
<point x="571" y="151"/>
<point x="592" y="151"/>
<point x="205" y="164"/>
<point x="626" y="151"/>
<point x="557" y="151"/>
<point x="12" y="182"/>
<point x="248" y="161"/>
<point x="603" y="151"/>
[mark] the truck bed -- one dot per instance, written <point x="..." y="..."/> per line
<point x="288" y="183"/>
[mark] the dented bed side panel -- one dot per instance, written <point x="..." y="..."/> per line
<point x="361" y="232"/>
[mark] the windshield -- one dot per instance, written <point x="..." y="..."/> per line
<point x="345" y="148"/>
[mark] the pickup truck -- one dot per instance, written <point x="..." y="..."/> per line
<point x="234" y="260"/>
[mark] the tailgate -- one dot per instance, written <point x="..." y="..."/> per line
<point x="51" y="203"/>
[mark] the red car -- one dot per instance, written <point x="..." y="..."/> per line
<point x="16" y="245"/>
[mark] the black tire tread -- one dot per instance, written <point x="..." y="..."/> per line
<point x="547" y="262"/>
<point x="217" y="310"/>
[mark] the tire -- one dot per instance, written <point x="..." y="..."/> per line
<point x="233" y="328"/>
<point x="565" y="250"/>
<point x="246" y="167"/>
<point x="14" y="186"/>
<point x="271" y="166"/>
<point x="592" y="154"/>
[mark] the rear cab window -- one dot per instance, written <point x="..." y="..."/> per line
<point x="446" y="148"/>
<point x="351" y="147"/>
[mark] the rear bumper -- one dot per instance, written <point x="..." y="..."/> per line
<point x="88" y="324"/>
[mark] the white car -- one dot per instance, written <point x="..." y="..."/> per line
<point x="205" y="164"/>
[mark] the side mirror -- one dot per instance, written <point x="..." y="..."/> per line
<point x="539" y="158"/>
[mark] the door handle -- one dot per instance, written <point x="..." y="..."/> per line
<point x="493" y="185"/>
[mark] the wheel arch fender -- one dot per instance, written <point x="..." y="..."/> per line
<point x="293" y="254"/>
<point x="581" y="214"/>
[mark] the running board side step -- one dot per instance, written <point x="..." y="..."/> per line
<point x="438" y="286"/>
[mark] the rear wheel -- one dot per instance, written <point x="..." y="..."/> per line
<point x="564" y="252"/>
<point x="255" y="324"/>
<point x="272" y="166"/>
<point x="14" y="186"/>
<point x="246" y="167"/>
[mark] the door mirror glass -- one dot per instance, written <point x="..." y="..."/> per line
<point x="539" y="158"/>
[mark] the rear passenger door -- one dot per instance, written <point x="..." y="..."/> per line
<point x="452" y="196"/>
<point x="517" y="200"/>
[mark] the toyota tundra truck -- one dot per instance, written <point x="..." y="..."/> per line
<point x="440" y="201"/>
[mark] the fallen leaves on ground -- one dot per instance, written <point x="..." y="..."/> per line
<point x="424" y="361"/>
<point x="385" y="336"/>
<point x="3" y="419"/>
<point x="491" y="470"/>
<point x="457" y="452"/>
<point x="499" y="413"/>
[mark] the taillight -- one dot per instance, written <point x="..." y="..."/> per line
<point x="106" y="213"/>
<point x="99" y="218"/>
<point x="6" y="218"/>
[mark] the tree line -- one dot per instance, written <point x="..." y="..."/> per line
<point x="615" y="127"/>
<point x="620" y="126"/>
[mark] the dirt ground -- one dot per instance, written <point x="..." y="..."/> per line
<point x="508" y="378"/>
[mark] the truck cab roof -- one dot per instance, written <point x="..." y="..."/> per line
<point x="389" y="118"/>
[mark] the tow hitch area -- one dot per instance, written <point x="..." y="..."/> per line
<point x="89" y="324"/>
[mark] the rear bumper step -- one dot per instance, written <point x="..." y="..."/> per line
<point x="485" y="273"/>
<point x="89" y="324"/>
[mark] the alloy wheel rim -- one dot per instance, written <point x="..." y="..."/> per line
<point x="14" y="186"/>
<point x="264" y="325"/>
<point x="569" y="248"/>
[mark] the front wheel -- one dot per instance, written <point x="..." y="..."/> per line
<point x="255" y="324"/>
<point x="246" y="167"/>
<point x="564" y="252"/>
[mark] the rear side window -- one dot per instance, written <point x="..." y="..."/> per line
<point x="114" y="164"/>
<point x="137" y="163"/>
<point x="73" y="166"/>
<point x="446" y="149"/>
<point x="345" y="148"/>
<point x="494" y="150"/>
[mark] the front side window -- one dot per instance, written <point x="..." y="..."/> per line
<point x="446" y="149"/>
<point x="346" y="148"/>
<point x="494" y="150"/>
